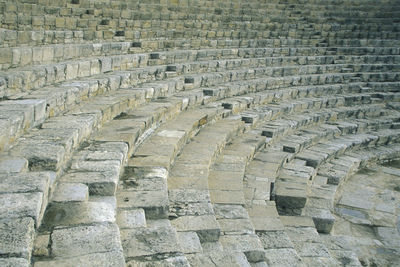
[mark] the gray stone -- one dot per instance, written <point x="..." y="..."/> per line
<point x="250" y="245"/>
<point x="236" y="226"/>
<point x="17" y="237"/>
<point x="283" y="257"/>
<point x="149" y="241"/>
<point x="323" y="219"/>
<point x="308" y="249"/>
<point x="205" y="226"/>
<point x="178" y="261"/>
<point x="99" y="183"/>
<point x="21" y="205"/>
<point x="230" y="212"/>
<point x="12" y="262"/>
<point x="25" y="182"/>
<point x="103" y="259"/>
<point x="218" y="259"/>
<point x="275" y="240"/>
<point x="76" y="213"/>
<point x="70" y="192"/>
<point x="83" y="240"/>
<point x="13" y="164"/>
<point x="131" y="218"/>
<point x="189" y="242"/>
<point x="41" y="247"/>
<point x="154" y="203"/>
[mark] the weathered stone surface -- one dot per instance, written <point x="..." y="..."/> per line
<point x="205" y="226"/>
<point x="70" y="192"/>
<point x="218" y="259"/>
<point x="178" y="261"/>
<point x="25" y="182"/>
<point x="283" y="257"/>
<point x="16" y="205"/>
<point x="230" y="212"/>
<point x="11" y="262"/>
<point x="250" y="245"/>
<point x="149" y="241"/>
<point x="41" y="246"/>
<point x="17" y="237"/>
<point x="99" y="183"/>
<point x="131" y="218"/>
<point x="76" y="213"/>
<point x="275" y="239"/>
<point x="83" y="240"/>
<point x="13" y="164"/>
<point x="103" y="259"/>
<point x="189" y="242"/>
<point x="154" y="203"/>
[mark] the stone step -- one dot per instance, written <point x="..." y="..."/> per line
<point x="307" y="243"/>
<point x="97" y="244"/>
<point x="320" y="201"/>
<point x="164" y="248"/>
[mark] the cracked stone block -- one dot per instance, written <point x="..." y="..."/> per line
<point x="83" y="240"/>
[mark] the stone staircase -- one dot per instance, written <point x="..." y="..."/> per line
<point x="195" y="133"/>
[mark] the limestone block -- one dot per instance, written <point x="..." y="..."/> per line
<point x="275" y="239"/>
<point x="135" y="242"/>
<point x="103" y="259"/>
<point x="283" y="257"/>
<point x="11" y="262"/>
<point x="41" y="245"/>
<point x="205" y="226"/>
<point x="70" y="192"/>
<point x="250" y="245"/>
<point x="189" y="242"/>
<point x="131" y="218"/>
<point x="155" y="203"/>
<point x="13" y="164"/>
<point x="83" y="240"/>
<point x="75" y="213"/>
<point x="15" y="205"/>
<point x="99" y="183"/>
<point x="17" y="237"/>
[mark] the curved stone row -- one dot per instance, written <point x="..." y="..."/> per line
<point x="202" y="133"/>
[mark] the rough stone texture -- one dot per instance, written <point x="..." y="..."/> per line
<point x="104" y="259"/>
<point x="83" y="240"/>
<point x="229" y="115"/>
<point x="17" y="237"/>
